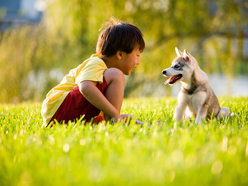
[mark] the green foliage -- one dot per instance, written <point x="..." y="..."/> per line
<point x="157" y="153"/>
<point x="68" y="33"/>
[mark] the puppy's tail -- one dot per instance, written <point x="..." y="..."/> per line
<point x="224" y="112"/>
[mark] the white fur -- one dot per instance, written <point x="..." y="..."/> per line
<point x="189" y="106"/>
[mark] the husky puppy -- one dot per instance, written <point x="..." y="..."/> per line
<point x="196" y="98"/>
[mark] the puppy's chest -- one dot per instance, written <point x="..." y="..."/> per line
<point x="195" y="101"/>
<point x="193" y="106"/>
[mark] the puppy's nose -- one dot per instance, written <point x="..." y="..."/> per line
<point x="164" y="72"/>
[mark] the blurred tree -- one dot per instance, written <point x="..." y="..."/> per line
<point x="33" y="59"/>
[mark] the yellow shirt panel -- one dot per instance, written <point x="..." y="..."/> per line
<point x="91" y="69"/>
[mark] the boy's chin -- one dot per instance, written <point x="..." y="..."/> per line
<point x="129" y="72"/>
<point x="126" y="73"/>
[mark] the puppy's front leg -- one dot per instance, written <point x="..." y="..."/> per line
<point x="202" y="112"/>
<point x="187" y="114"/>
<point x="181" y="107"/>
<point x="179" y="111"/>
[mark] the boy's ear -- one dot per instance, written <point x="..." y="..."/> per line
<point x="119" y="54"/>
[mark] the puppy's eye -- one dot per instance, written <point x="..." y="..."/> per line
<point x="176" y="66"/>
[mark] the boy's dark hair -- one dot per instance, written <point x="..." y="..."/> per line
<point x="119" y="36"/>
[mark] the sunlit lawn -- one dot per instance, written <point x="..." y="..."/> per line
<point x="158" y="153"/>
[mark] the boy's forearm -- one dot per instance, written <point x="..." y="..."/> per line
<point x="97" y="99"/>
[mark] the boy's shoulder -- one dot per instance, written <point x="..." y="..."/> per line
<point x="95" y="59"/>
<point x="91" y="69"/>
<point x="94" y="62"/>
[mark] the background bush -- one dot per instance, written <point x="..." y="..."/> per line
<point x="33" y="59"/>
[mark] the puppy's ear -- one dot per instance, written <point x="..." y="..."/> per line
<point x="186" y="56"/>
<point x="178" y="52"/>
<point x="191" y="59"/>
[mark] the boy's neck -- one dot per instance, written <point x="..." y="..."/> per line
<point x="111" y="61"/>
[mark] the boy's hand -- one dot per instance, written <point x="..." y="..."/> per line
<point x="139" y="122"/>
<point x="115" y="119"/>
<point x="126" y="116"/>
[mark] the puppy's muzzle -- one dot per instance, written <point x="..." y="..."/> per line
<point x="164" y="72"/>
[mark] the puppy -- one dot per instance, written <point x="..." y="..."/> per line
<point x="196" y="98"/>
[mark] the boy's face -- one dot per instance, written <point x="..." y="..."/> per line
<point x="130" y="61"/>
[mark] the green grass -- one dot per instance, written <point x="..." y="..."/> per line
<point x="158" y="153"/>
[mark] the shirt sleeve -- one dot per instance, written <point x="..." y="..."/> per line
<point x="93" y="71"/>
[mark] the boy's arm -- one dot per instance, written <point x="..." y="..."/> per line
<point x="97" y="99"/>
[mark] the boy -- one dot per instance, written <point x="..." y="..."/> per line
<point x="98" y="83"/>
